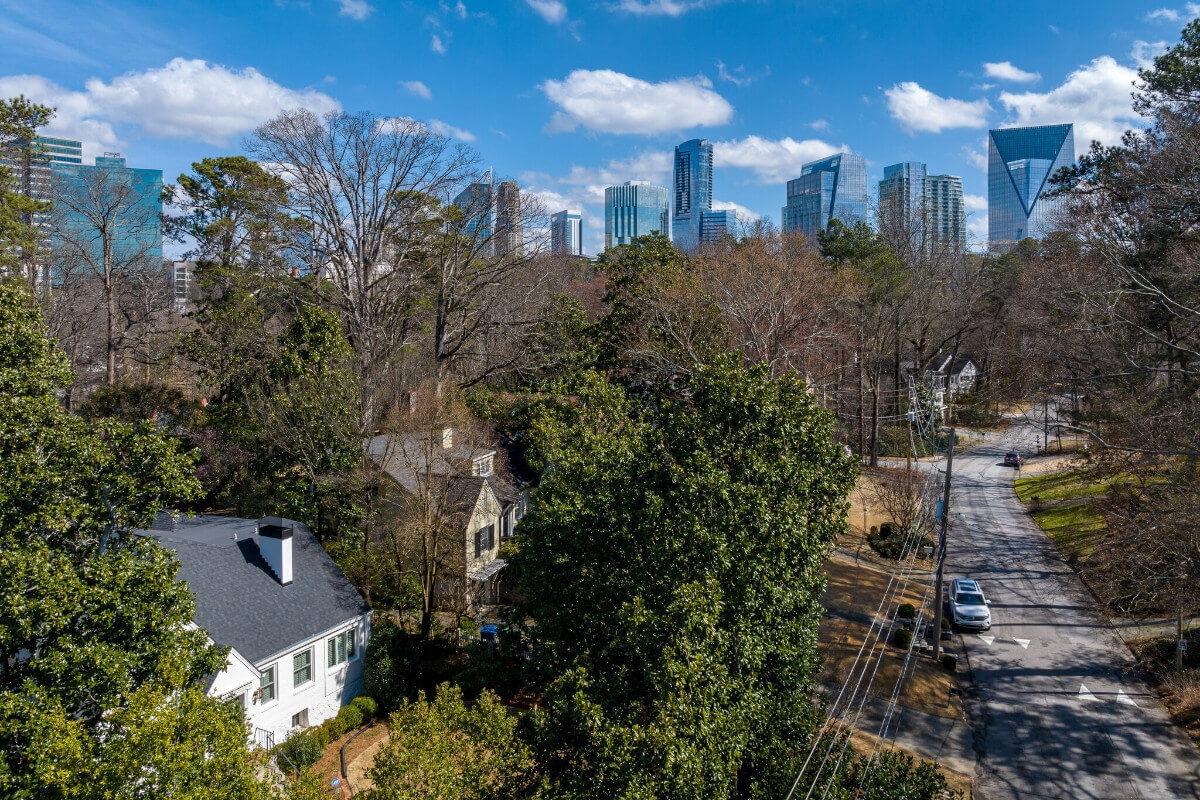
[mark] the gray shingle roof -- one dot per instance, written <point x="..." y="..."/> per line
<point x="239" y="601"/>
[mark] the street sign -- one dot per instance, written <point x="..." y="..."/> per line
<point x="939" y="509"/>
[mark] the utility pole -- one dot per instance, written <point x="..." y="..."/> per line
<point x="1046" y="424"/>
<point x="937" y="621"/>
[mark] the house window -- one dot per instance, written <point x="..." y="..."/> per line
<point x="300" y="719"/>
<point x="485" y="539"/>
<point x="267" y="684"/>
<point x="483" y="466"/>
<point x="302" y="668"/>
<point x="341" y="648"/>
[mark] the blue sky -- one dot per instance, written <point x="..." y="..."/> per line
<point x="570" y="95"/>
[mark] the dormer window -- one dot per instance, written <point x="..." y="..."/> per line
<point x="482" y="467"/>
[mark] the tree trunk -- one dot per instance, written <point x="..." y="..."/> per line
<point x="110" y="303"/>
<point x="875" y="424"/>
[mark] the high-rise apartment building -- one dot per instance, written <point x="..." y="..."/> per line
<point x="945" y="212"/>
<point x="133" y="199"/>
<point x="693" y="192"/>
<point x="829" y="189"/>
<point x="715" y="224"/>
<point x="633" y="209"/>
<point x="510" y="237"/>
<point x="925" y="209"/>
<point x="34" y="178"/>
<point x="566" y="234"/>
<point x="1020" y="163"/>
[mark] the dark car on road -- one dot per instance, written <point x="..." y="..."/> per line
<point x="1012" y="459"/>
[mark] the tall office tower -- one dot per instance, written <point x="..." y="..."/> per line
<point x="134" y="199"/>
<point x="829" y="189"/>
<point x="693" y="192"/>
<point x="922" y="208"/>
<point x="477" y="203"/>
<point x="1020" y="162"/>
<point x="33" y="176"/>
<point x="566" y="234"/>
<point x="633" y="209"/>
<point x="510" y="237"/>
<point x="715" y="224"/>
<point x="902" y="198"/>
<point x="945" y="213"/>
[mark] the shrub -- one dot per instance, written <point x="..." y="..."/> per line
<point x="902" y="638"/>
<point x="351" y="717"/>
<point x="335" y="727"/>
<point x="320" y="735"/>
<point x="366" y="705"/>
<point x="907" y="611"/>
<point x="301" y="750"/>
<point x="950" y="662"/>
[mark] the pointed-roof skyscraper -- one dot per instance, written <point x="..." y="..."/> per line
<point x="1020" y="164"/>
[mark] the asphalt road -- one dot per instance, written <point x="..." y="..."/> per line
<point x="1057" y="709"/>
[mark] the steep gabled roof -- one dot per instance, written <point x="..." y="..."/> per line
<point x="239" y="602"/>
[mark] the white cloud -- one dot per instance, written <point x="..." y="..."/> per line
<point x="553" y="11"/>
<point x="918" y="109"/>
<point x="1144" y="53"/>
<point x="460" y="9"/>
<point x="1163" y="15"/>
<point x="185" y="98"/>
<point x="355" y="9"/>
<point x="977" y="231"/>
<point x="417" y="88"/>
<point x="666" y="8"/>
<point x="1096" y="97"/>
<point x="1193" y="10"/>
<point x="744" y="218"/>
<point x="772" y="160"/>
<point x="975" y="202"/>
<point x="610" y="101"/>
<point x="553" y="202"/>
<point x="1007" y="71"/>
<point x="977" y="157"/>
<point x="819" y="124"/>
<point x="436" y="44"/>
<point x="449" y="131"/>
<point x="738" y="76"/>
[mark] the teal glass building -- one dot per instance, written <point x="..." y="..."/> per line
<point x="135" y="195"/>
<point x="1020" y="163"/>
<point x="633" y="209"/>
<point x="829" y="189"/>
<point x="693" y="178"/>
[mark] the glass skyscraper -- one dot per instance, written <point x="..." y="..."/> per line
<point x="829" y="189"/>
<point x="715" y="224"/>
<point x="635" y="208"/>
<point x="477" y="203"/>
<point x="1020" y="163"/>
<point x="34" y="178"/>
<point x="693" y="192"/>
<point x="510" y="234"/>
<point x="926" y="209"/>
<point x="566" y="234"/>
<point x="137" y="193"/>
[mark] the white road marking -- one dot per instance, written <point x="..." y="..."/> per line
<point x="987" y="639"/>
<point x="1124" y="698"/>
<point x="1023" y="642"/>
<point x="1085" y="694"/>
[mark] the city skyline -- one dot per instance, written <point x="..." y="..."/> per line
<point x="590" y="94"/>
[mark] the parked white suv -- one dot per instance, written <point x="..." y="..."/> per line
<point x="968" y="606"/>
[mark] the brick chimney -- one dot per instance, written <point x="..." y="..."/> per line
<point x="275" y="545"/>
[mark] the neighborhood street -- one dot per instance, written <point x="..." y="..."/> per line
<point x="1056" y="706"/>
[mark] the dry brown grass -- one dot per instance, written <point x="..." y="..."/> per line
<point x="360" y="757"/>
<point x="852" y="597"/>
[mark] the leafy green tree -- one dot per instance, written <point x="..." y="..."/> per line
<point x="233" y="212"/>
<point x="444" y="750"/>
<point x="101" y="679"/>
<point x="672" y="566"/>
<point x="19" y="120"/>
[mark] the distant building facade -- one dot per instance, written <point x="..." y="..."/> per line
<point x="1020" y="163"/>
<point x="34" y="179"/>
<point x="633" y="209"/>
<point x="477" y="203"/>
<point x="927" y="208"/>
<point x="829" y="189"/>
<point x="135" y="193"/>
<point x="714" y="225"/>
<point x="693" y="174"/>
<point x="566" y="234"/>
<point x="510" y="236"/>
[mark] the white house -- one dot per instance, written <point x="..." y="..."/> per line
<point x="296" y="627"/>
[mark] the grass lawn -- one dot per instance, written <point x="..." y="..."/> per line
<point x="1073" y="484"/>
<point x="1065" y="507"/>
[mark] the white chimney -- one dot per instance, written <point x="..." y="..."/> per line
<point x="275" y="545"/>
<point x="447" y="438"/>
